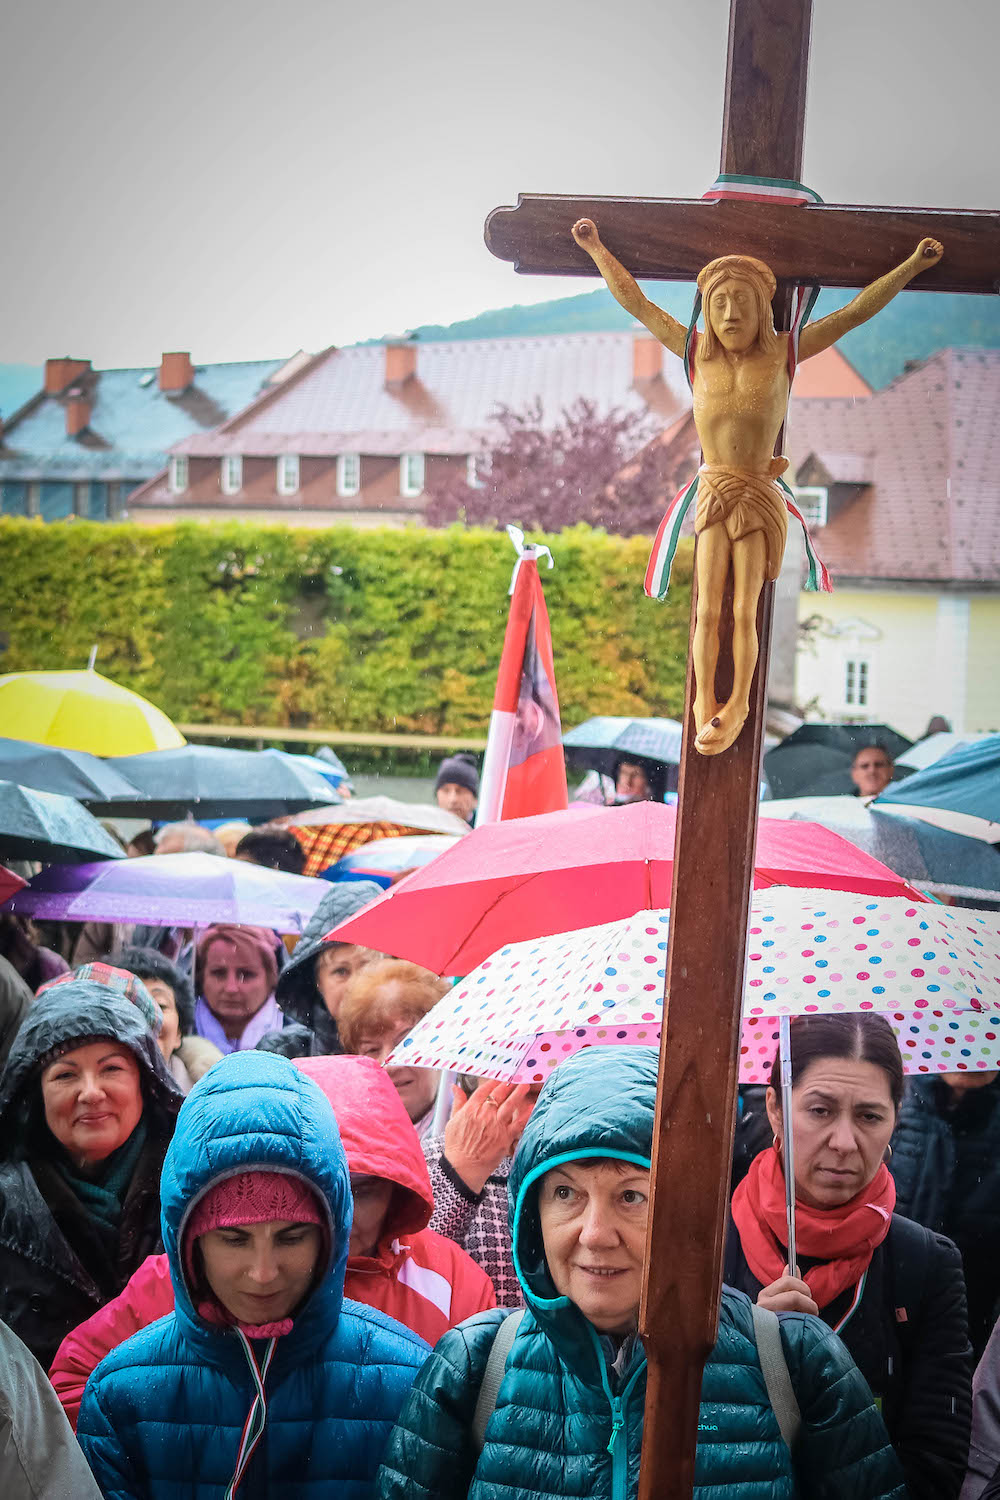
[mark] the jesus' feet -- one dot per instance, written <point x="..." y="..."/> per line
<point x="723" y="729"/>
<point x="705" y="710"/>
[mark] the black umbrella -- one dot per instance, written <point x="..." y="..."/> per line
<point x="43" y="825"/>
<point x="212" y="782"/>
<point x="816" y="760"/>
<point x="68" y="773"/>
<point x="850" y="738"/>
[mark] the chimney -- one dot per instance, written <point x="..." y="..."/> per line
<point x="176" y="373"/>
<point x="647" y="357"/>
<point x="77" y="413"/>
<point x="61" y="373"/>
<point x="400" y="361"/>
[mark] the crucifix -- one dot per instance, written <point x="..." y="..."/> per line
<point x="677" y="239"/>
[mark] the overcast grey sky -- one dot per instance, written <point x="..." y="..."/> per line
<point x="242" y="178"/>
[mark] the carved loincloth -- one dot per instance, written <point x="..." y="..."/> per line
<point x="744" y="502"/>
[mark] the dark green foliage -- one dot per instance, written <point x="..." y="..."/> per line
<point x="234" y="623"/>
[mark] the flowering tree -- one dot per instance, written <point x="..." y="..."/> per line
<point x="598" y="468"/>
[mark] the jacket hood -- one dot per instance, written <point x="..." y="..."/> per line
<point x="296" y="990"/>
<point x="76" y="1012"/>
<point x="255" y="1110"/>
<point x="379" y="1141"/>
<point x="15" y="997"/>
<point x="599" y="1103"/>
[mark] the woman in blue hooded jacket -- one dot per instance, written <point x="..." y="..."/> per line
<point x="263" y="1377"/>
<point x="568" y="1415"/>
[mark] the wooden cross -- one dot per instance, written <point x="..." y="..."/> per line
<point x="672" y="239"/>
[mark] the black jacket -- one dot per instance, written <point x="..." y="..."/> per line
<point x="920" y="1365"/>
<point x="57" y="1266"/>
<point x="946" y="1163"/>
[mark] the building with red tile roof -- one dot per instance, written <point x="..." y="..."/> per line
<point x="903" y="490"/>
<point x="359" y="433"/>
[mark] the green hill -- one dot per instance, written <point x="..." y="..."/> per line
<point x="912" y="327"/>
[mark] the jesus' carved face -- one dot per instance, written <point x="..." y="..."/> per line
<point x="733" y="312"/>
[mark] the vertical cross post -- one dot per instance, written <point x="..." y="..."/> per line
<point x="713" y="878"/>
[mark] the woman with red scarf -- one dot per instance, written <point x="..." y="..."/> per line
<point x="893" y="1290"/>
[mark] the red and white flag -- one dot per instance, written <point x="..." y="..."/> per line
<point x="523" y="770"/>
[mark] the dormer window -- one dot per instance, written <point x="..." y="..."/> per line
<point x="178" y="474"/>
<point x="348" y="474"/>
<point x="411" y="475"/>
<point x="288" y="474"/>
<point x="477" y="468"/>
<point x="811" y="500"/>
<point x="231" y="474"/>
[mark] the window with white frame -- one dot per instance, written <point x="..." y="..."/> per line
<point x="477" y="468"/>
<point x="288" y="474"/>
<point x="811" y="500"/>
<point x="857" y="682"/>
<point x="178" y="474"/>
<point x="411" y="475"/>
<point x="231" y="474"/>
<point x="348" y="474"/>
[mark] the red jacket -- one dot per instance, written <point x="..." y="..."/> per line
<point x="417" y="1276"/>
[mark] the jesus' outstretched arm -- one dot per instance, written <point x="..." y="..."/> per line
<point x="625" y="289"/>
<point x="826" y="331"/>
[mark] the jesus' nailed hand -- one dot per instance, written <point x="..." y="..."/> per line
<point x="741" y="389"/>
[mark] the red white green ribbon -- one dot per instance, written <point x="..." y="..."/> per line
<point x="730" y="185"/>
<point x="661" y="558"/>
<point x="253" y="1427"/>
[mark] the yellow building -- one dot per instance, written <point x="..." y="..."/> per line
<point x="902" y="490"/>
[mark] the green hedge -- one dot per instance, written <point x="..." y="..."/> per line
<point x="235" y="623"/>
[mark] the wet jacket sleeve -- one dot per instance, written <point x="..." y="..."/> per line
<point x="984" y="1450"/>
<point x="111" y="1466"/>
<point x="932" y="1432"/>
<point x="147" y="1296"/>
<point x="39" y="1456"/>
<point x="843" y="1448"/>
<point x="431" y="1454"/>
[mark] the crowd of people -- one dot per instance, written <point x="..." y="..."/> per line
<point x="241" y="1251"/>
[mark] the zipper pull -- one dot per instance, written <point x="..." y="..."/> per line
<point x="617" y="1422"/>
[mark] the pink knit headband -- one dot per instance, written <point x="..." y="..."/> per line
<point x="254" y="1198"/>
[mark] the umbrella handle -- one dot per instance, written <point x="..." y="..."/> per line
<point x="785" y="1055"/>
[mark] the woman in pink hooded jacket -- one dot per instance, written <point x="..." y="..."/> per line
<point x="395" y="1262"/>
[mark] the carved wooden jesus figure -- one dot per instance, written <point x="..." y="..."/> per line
<point x="741" y="386"/>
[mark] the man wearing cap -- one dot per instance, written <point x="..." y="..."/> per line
<point x="456" y="786"/>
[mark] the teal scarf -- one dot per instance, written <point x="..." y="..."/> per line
<point x="104" y="1194"/>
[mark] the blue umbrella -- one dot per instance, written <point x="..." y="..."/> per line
<point x="213" y="782"/>
<point x="960" y="792"/>
<point x="43" y="825"/>
<point x="945" y="863"/>
<point x="935" y="747"/>
<point x="335" y="774"/>
<point x="68" y="773"/>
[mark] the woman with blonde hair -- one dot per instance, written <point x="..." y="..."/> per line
<point x="383" y="1002"/>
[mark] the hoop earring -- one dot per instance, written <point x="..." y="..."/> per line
<point x="776" y="1144"/>
<point x="887" y="1154"/>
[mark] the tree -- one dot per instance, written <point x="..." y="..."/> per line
<point x="605" y="469"/>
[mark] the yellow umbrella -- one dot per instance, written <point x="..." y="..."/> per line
<point x="82" y="711"/>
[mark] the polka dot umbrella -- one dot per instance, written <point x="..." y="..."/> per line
<point x="933" y="971"/>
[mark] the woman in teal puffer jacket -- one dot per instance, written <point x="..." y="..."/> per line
<point x="263" y="1375"/>
<point x="568" y="1415"/>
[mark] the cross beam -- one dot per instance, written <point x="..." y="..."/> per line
<point x="670" y="239"/>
